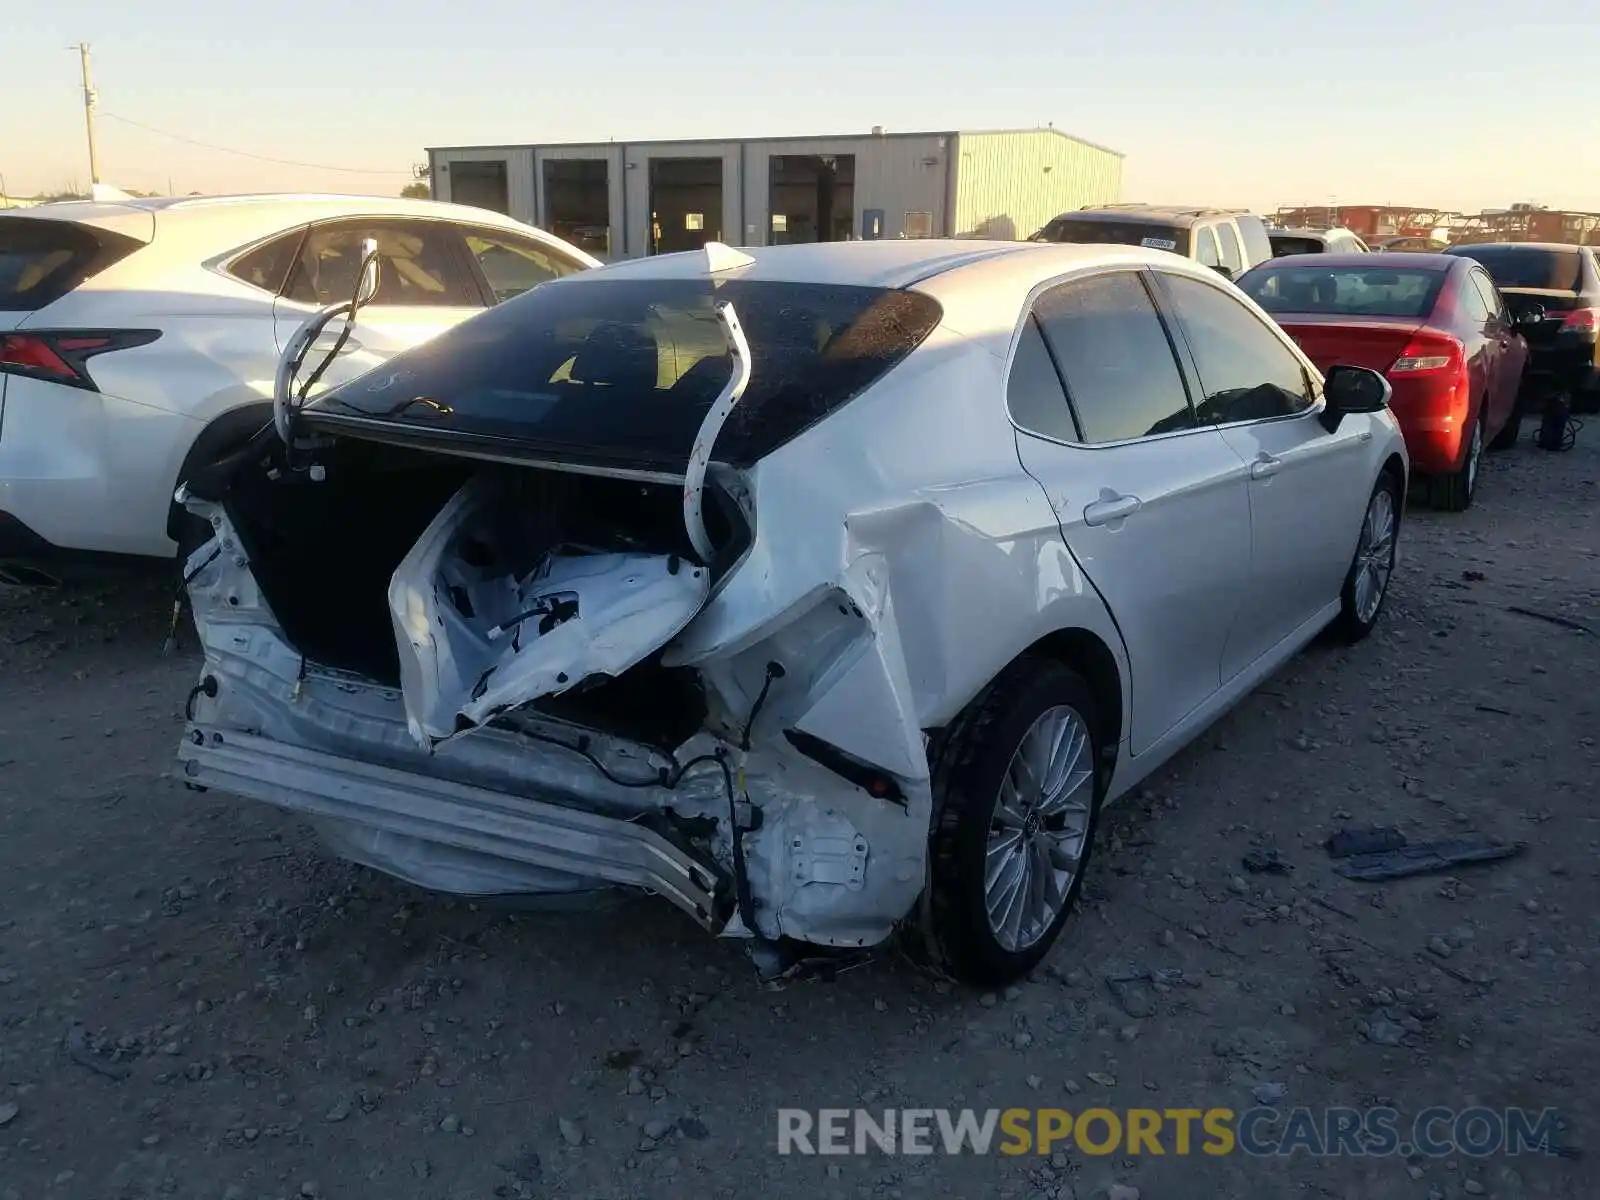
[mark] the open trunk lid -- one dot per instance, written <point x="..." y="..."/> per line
<point x="1327" y="341"/>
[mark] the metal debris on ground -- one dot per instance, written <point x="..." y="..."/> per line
<point x="1371" y="840"/>
<point x="77" y="1047"/>
<point x="1423" y="858"/>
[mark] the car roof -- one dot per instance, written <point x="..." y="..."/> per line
<point x="1179" y="215"/>
<point x="983" y="286"/>
<point x="884" y="264"/>
<point x="1468" y="247"/>
<point x="285" y="208"/>
<point x="1415" y="260"/>
<point x="215" y="223"/>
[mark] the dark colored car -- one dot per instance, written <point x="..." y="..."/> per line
<point x="1229" y="240"/>
<point x="1434" y="326"/>
<point x="1558" y="288"/>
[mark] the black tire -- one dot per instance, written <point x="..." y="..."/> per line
<point x="1454" y="492"/>
<point x="970" y="763"/>
<point x="1351" y="625"/>
<point x="1507" y="438"/>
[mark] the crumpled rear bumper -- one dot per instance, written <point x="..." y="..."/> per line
<point x="385" y="812"/>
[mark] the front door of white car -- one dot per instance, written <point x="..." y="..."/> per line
<point x="424" y="287"/>
<point x="1307" y="487"/>
<point x="1153" y="508"/>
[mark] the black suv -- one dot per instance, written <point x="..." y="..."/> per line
<point x="1231" y="240"/>
<point x="1563" y="283"/>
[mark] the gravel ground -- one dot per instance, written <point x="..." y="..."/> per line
<point x="194" y="1002"/>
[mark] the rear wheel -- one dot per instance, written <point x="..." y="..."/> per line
<point x="1454" y="492"/>
<point x="1017" y="794"/>
<point x="1366" y="585"/>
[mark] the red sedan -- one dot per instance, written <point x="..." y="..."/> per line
<point x="1434" y="325"/>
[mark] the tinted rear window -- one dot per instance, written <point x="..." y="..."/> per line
<point x="622" y="371"/>
<point x="1118" y="233"/>
<point x="1343" y="291"/>
<point x="43" y="260"/>
<point x="1284" y="246"/>
<point x="1528" y="266"/>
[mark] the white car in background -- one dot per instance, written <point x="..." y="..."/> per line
<point x="825" y="590"/>
<point x="138" y="337"/>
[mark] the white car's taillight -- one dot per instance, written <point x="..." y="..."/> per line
<point x="61" y="356"/>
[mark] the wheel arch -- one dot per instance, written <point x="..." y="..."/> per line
<point x="226" y="432"/>
<point x="1085" y="652"/>
<point x="1395" y="465"/>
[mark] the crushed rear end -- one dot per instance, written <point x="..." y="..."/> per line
<point x="455" y="627"/>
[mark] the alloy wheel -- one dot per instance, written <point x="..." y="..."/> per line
<point x="1039" y="829"/>
<point x="1375" y="554"/>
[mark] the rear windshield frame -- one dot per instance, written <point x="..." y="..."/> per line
<point x="1548" y="280"/>
<point x="1257" y="278"/>
<point x="89" y="251"/>
<point x="518" y="379"/>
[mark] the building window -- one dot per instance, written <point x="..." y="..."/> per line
<point x="919" y="225"/>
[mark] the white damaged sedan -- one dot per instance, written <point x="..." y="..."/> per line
<point x="825" y="591"/>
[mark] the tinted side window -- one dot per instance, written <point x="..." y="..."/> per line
<point x="1230" y="248"/>
<point x="1246" y="373"/>
<point x="1491" y="297"/>
<point x="1473" y="306"/>
<point x="267" y="266"/>
<point x="1033" y="392"/>
<point x="512" y="265"/>
<point x="417" y="264"/>
<point x="1113" y="352"/>
<point x="1205" y="248"/>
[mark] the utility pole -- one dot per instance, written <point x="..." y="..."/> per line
<point x="89" y="99"/>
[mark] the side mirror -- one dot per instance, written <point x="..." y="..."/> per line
<point x="1348" y="390"/>
<point x="1225" y="272"/>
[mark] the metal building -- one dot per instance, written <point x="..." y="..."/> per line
<point x="628" y="199"/>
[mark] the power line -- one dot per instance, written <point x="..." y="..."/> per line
<point x="286" y="162"/>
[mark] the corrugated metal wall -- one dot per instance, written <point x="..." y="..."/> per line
<point x="1008" y="185"/>
<point x="897" y="175"/>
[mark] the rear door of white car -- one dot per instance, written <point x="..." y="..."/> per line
<point x="1153" y="507"/>
<point x="425" y="285"/>
<point x="1308" y="487"/>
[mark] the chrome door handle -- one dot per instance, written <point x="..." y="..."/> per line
<point x="1112" y="508"/>
<point x="1265" y="467"/>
